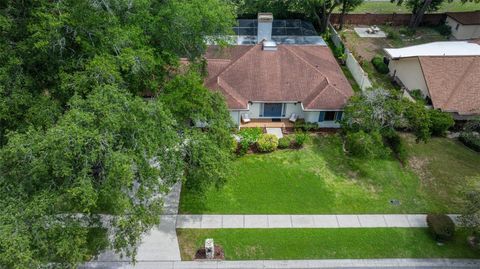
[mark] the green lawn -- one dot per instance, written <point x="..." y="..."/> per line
<point x="249" y="244"/>
<point x="321" y="179"/>
<point x="442" y="165"/>
<point x="387" y="7"/>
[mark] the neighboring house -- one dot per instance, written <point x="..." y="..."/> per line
<point x="465" y="25"/>
<point x="271" y="81"/>
<point x="447" y="73"/>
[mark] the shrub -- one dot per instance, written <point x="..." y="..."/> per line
<point x="395" y="143"/>
<point x="391" y="34"/>
<point x="441" y="227"/>
<point x="235" y="145"/>
<point x="299" y="140"/>
<point x="338" y="52"/>
<point x="267" y="143"/>
<point x="250" y="135"/>
<point x="417" y="94"/>
<point x="470" y="140"/>
<point x="361" y="144"/>
<point x="243" y="147"/>
<point x="407" y="31"/>
<point x="302" y="125"/>
<point x="284" y="142"/>
<point x="440" y="122"/>
<point x="444" y="30"/>
<point x="379" y="65"/>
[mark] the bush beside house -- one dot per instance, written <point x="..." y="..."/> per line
<point x="267" y="143"/>
<point x="284" y="142"/>
<point x="299" y="139"/>
<point x="248" y="138"/>
<point x="379" y="65"/>
<point x="440" y="122"/>
<point x="254" y="139"/>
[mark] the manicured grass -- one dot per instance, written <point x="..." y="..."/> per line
<point x="387" y="7"/>
<point x="249" y="244"/>
<point x="320" y="179"/>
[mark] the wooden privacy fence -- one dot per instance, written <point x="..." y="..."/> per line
<point x="392" y="19"/>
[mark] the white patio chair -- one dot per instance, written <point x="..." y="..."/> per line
<point x="246" y="118"/>
<point x="293" y="117"/>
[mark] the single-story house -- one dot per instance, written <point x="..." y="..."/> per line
<point x="275" y="81"/>
<point x="465" y="25"/>
<point x="447" y="73"/>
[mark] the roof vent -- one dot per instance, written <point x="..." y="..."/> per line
<point x="269" y="45"/>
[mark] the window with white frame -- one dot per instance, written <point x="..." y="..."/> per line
<point x="330" y="116"/>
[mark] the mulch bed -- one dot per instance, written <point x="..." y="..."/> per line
<point x="219" y="254"/>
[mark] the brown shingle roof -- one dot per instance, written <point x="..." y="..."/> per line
<point x="308" y="74"/>
<point x="453" y="83"/>
<point x="466" y="18"/>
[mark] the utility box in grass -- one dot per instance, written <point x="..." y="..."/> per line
<point x="209" y="248"/>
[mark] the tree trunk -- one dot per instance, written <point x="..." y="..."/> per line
<point x="417" y="17"/>
<point x="319" y="20"/>
<point x="324" y="25"/>
<point x="342" y="15"/>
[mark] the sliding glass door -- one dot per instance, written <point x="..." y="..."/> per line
<point x="272" y="110"/>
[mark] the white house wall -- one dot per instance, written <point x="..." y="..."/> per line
<point x="293" y="108"/>
<point x="254" y="110"/>
<point x="463" y="31"/>
<point x="312" y="116"/>
<point x="410" y="73"/>
<point x="235" y="114"/>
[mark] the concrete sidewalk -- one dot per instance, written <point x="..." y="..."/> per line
<point x="302" y="221"/>
<point x="296" y="264"/>
<point x="158" y="244"/>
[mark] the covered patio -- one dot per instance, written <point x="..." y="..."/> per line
<point x="268" y="123"/>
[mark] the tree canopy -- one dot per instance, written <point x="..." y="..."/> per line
<point x="77" y="138"/>
<point x="384" y="110"/>
<point x="420" y="7"/>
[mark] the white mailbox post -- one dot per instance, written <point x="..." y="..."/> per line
<point x="209" y="248"/>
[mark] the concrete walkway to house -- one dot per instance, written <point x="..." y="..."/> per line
<point x="296" y="264"/>
<point x="302" y="221"/>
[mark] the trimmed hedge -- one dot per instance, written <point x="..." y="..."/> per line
<point x="441" y="227"/>
<point x="267" y="143"/>
<point x="379" y="65"/>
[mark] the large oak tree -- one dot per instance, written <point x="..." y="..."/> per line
<point x="77" y="139"/>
